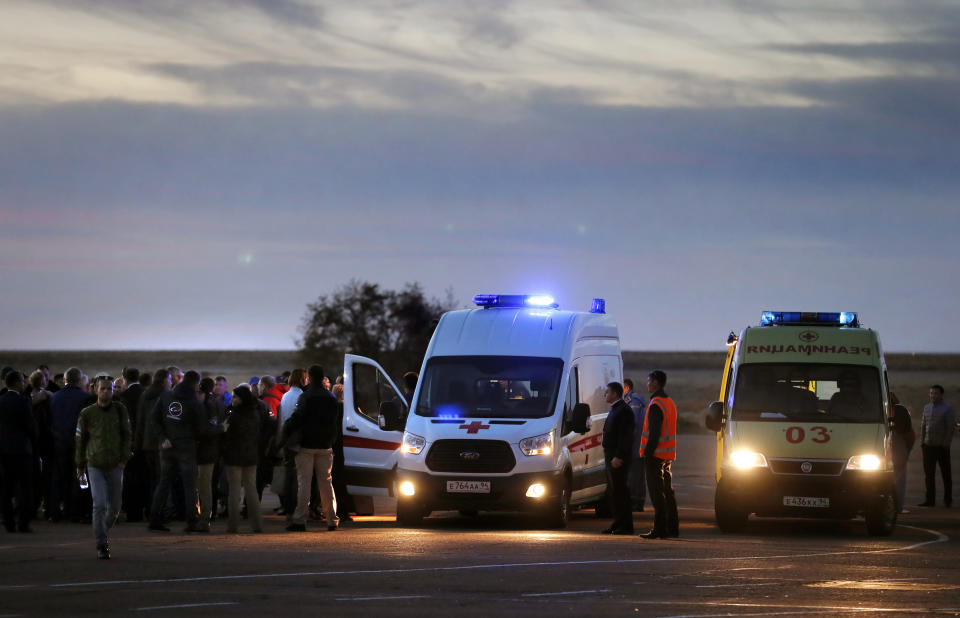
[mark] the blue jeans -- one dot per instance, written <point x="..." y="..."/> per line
<point x="170" y="463"/>
<point x="106" y="487"/>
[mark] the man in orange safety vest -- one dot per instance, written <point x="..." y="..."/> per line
<point x="658" y="447"/>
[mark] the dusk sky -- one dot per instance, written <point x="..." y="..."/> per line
<point x="190" y="174"/>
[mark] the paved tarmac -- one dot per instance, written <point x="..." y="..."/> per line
<point x="499" y="564"/>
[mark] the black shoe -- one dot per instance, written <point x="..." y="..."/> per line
<point x="672" y="535"/>
<point x="103" y="552"/>
<point x="332" y="528"/>
<point x="26" y="529"/>
<point x="622" y="531"/>
<point x="297" y="528"/>
<point x="608" y="530"/>
<point x="10" y="527"/>
<point x="158" y="528"/>
<point x="653" y="534"/>
<point x="927" y="503"/>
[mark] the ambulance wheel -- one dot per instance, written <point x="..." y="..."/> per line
<point x="558" y="509"/>
<point x="882" y="516"/>
<point x="729" y="517"/>
<point x="409" y="514"/>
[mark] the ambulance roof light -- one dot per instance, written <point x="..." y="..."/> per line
<point x="803" y="318"/>
<point x="599" y="306"/>
<point x="515" y="300"/>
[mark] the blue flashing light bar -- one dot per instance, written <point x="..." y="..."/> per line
<point x="599" y="306"/>
<point x="515" y="300"/>
<point x="802" y="318"/>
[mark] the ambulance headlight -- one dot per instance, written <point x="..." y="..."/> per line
<point x="537" y="490"/>
<point x="864" y="462"/>
<point x="412" y="443"/>
<point x="537" y="445"/>
<point x="407" y="489"/>
<point x="748" y="459"/>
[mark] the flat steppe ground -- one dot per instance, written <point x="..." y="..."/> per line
<point x="694" y="377"/>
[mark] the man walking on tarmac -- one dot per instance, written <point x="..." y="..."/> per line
<point x="103" y="449"/>
<point x="658" y="447"/>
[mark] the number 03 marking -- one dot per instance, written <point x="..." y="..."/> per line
<point x="795" y="435"/>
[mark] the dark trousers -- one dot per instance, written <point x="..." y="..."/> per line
<point x="289" y="498"/>
<point x="345" y="504"/>
<point x="136" y="487"/>
<point x="637" y="481"/>
<point x="173" y="465"/>
<point x="63" y="486"/>
<point x="932" y="457"/>
<point x="17" y="482"/>
<point x="660" y="488"/>
<point x="619" y="496"/>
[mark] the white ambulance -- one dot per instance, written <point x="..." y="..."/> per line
<point x="507" y="414"/>
<point x="803" y="423"/>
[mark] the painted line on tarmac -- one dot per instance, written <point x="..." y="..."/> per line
<point x="183" y="606"/>
<point x="409" y="596"/>
<point x="796" y="611"/>
<point x="560" y="594"/>
<point x="941" y="538"/>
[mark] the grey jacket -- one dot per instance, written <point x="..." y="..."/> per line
<point x="938" y="424"/>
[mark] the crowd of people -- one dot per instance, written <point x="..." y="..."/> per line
<point x="170" y="446"/>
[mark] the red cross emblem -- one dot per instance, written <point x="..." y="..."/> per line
<point x="474" y="427"/>
<point x="808" y="336"/>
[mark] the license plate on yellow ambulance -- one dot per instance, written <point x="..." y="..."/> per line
<point x="817" y="503"/>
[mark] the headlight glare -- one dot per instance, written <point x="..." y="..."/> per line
<point x="407" y="488"/>
<point x="412" y="443"/>
<point x="748" y="459"/>
<point x="864" y="462"/>
<point x="537" y="490"/>
<point x="537" y="445"/>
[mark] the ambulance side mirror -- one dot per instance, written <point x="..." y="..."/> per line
<point x="579" y="418"/>
<point x="714" y="418"/>
<point x="390" y="416"/>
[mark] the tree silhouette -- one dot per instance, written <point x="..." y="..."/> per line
<point x="391" y="327"/>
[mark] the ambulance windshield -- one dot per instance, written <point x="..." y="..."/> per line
<point x="489" y="387"/>
<point x="808" y="392"/>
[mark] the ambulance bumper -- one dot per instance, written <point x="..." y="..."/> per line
<point x="767" y="494"/>
<point x="506" y="493"/>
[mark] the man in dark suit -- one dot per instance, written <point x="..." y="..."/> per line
<point x="617" y="453"/>
<point x="18" y="437"/>
<point x="135" y="473"/>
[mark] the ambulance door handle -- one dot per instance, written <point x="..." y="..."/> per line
<point x="351" y="428"/>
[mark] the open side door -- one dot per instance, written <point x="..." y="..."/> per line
<point x="370" y="453"/>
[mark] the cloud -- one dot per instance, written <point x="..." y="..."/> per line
<point x="285" y="12"/>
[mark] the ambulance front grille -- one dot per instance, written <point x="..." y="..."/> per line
<point x="814" y="467"/>
<point x="476" y="456"/>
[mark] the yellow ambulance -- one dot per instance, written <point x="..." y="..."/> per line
<point x="802" y="423"/>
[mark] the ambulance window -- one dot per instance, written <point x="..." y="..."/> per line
<point x="808" y="392"/>
<point x="489" y="387"/>
<point x="571" y="399"/>
<point x="370" y="389"/>
<point x="594" y="375"/>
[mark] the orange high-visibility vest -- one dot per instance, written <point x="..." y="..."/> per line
<point x="667" y="447"/>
